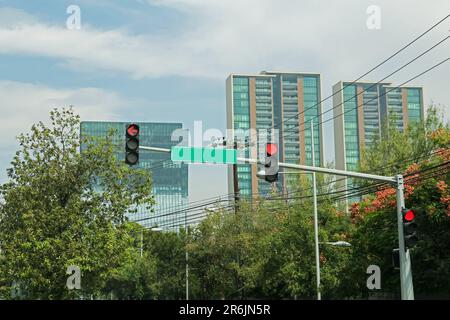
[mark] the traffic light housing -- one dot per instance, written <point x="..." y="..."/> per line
<point x="132" y="144"/>
<point x="409" y="228"/>
<point x="396" y="258"/>
<point x="271" y="162"/>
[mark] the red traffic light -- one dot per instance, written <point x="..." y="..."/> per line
<point x="133" y="130"/>
<point x="271" y="149"/>
<point x="408" y="215"/>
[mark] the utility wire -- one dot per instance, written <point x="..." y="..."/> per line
<point x="353" y="191"/>
<point x="377" y="97"/>
<point x="368" y="72"/>
<point x="371" y="86"/>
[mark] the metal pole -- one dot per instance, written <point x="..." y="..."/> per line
<point x="187" y="256"/>
<point x="142" y="242"/>
<point x="235" y="182"/>
<point x="326" y="170"/>
<point x="406" y="284"/>
<point x="155" y="149"/>
<point x="316" y="224"/>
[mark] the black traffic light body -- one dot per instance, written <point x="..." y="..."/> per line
<point x="396" y="258"/>
<point x="409" y="228"/>
<point x="271" y="162"/>
<point x="132" y="144"/>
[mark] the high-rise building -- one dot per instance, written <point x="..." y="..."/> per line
<point x="361" y="110"/>
<point x="285" y="101"/>
<point x="170" y="180"/>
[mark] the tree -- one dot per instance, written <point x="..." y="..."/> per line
<point x="375" y="222"/>
<point x="136" y="277"/>
<point x="62" y="207"/>
<point x="394" y="150"/>
<point x="266" y="249"/>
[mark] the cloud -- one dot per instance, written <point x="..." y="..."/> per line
<point x="12" y="17"/>
<point x="216" y="38"/>
<point x="23" y="104"/>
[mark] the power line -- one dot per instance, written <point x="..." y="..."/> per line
<point x="371" y="86"/>
<point x="356" y="191"/>
<point x="197" y="217"/>
<point x="377" y="97"/>
<point x="397" y="163"/>
<point x="205" y="202"/>
<point x="362" y="76"/>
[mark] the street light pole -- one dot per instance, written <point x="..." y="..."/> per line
<point x="187" y="255"/>
<point x="142" y="241"/>
<point x="316" y="224"/>
<point x="406" y="283"/>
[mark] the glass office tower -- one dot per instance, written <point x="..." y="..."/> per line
<point x="170" y="180"/>
<point x="286" y="101"/>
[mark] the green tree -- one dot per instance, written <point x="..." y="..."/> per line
<point x="266" y="249"/>
<point x="62" y="206"/>
<point x="423" y="148"/>
<point x="394" y="150"/>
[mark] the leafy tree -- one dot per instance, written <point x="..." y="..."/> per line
<point x="266" y="250"/>
<point x="395" y="150"/>
<point x="62" y="207"/>
<point x="136" y="277"/>
<point x="168" y="249"/>
<point x="375" y="222"/>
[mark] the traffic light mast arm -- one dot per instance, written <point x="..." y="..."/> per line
<point x="326" y="170"/>
<point x="302" y="167"/>
<point x="155" y="149"/>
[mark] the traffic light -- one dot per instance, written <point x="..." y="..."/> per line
<point x="409" y="227"/>
<point x="396" y="258"/>
<point x="132" y="144"/>
<point x="271" y="162"/>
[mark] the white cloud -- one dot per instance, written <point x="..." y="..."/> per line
<point x="11" y="17"/>
<point x="219" y="37"/>
<point x="23" y="104"/>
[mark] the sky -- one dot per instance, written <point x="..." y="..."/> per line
<point x="167" y="60"/>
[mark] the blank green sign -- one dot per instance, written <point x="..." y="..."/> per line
<point x="203" y="155"/>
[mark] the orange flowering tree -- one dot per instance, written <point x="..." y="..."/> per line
<point x="427" y="192"/>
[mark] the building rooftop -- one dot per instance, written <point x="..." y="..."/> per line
<point x="289" y="72"/>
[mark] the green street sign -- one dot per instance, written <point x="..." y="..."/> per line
<point x="203" y="155"/>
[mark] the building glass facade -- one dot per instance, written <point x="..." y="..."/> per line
<point x="361" y="111"/>
<point x="283" y="101"/>
<point x="169" y="180"/>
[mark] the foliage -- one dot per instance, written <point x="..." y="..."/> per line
<point x="62" y="207"/>
<point x="393" y="151"/>
<point x="426" y="192"/>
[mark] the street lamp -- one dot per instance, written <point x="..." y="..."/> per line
<point x="338" y="243"/>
